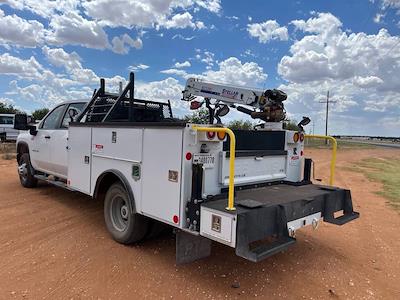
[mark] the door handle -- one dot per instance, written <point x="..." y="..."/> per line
<point x="46" y="136"/>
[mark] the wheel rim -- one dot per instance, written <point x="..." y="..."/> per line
<point x="119" y="213"/>
<point x="23" y="171"/>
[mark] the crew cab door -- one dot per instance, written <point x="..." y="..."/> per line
<point x="52" y="141"/>
<point x="41" y="143"/>
<point x="59" y="142"/>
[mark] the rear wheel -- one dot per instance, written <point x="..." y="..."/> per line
<point x="26" y="172"/>
<point x="124" y="226"/>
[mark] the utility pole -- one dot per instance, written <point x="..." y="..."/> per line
<point x="327" y="112"/>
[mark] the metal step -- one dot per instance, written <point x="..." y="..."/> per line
<point x="53" y="182"/>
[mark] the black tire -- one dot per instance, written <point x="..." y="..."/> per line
<point x="26" y="172"/>
<point x="124" y="226"/>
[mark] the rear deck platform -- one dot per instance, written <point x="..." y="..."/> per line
<point x="263" y="213"/>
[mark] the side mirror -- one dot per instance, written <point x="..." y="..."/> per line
<point x="21" y="122"/>
<point x="223" y="111"/>
<point x="304" y="122"/>
<point x="72" y="113"/>
<point x="32" y="130"/>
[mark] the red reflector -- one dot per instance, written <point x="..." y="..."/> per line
<point x="175" y="219"/>
<point x="301" y="153"/>
<point x="188" y="156"/>
<point x="210" y="135"/>
<point x="195" y="105"/>
<point x="301" y="137"/>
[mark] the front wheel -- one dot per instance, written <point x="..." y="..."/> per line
<point x="124" y="226"/>
<point x="25" y="171"/>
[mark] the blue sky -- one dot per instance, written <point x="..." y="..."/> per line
<point x="51" y="51"/>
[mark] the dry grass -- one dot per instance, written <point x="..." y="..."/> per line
<point x="386" y="171"/>
<point x="7" y="151"/>
<point x="9" y="156"/>
<point x="321" y="144"/>
<point x="7" y="148"/>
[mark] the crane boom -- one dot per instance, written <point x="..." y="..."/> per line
<point x="268" y="102"/>
<point x="228" y="94"/>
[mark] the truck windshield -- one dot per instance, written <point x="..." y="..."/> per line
<point x="8" y="120"/>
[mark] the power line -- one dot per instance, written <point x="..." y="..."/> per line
<point x="327" y="102"/>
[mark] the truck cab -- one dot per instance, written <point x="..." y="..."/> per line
<point x="47" y="143"/>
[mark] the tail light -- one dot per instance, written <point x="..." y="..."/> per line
<point x="221" y="135"/>
<point x="301" y="137"/>
<point x="296" y="137"/>
<point x="210" y="135"/>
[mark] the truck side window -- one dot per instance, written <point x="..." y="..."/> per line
<point x="52" y="120"/>
<point x="66" y="119"/>
<point x="6" y="120"/>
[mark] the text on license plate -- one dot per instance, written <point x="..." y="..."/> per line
<point x="207" y="160"/>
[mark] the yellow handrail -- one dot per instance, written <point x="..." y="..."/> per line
<point x="334" y="148"/>
<point x="232" y="150"/>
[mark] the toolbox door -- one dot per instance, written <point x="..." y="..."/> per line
<point x="253" y="167"/>
<point x="161" y="180"/>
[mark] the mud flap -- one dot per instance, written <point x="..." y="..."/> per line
<point x="190" y="248"/>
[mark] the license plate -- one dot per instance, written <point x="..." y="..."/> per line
<point x="207" y="160"/>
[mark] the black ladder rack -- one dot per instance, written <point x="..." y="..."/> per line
<point x="112" y="107"/>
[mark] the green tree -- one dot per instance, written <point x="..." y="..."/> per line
<point x="8" y="109"/>
<point x="199" y="116"/>
<point x="240" y="124"/>
<point x="290" y="125"/>
<point x="40" y="113"/>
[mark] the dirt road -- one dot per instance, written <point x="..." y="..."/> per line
<point x="53" y="244"/>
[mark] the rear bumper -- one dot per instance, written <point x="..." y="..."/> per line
<point x="263" y="213"/>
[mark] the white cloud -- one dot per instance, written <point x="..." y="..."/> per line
<point x="147" y="13"/>
<point x="121" y="44"/>
<point x="181" y="73"/>
<point x="205" y="56"/>
<point x="183" y="20"/>
<point x="324" y="24"/>
<point x="7" y="101"/>
<point x="138" y="67"/>
<point x="163" y="90"/>
<point x="335" y="55"/>
<point x="378" y="18"/>
<point x="43" y="8"/>
<point x="211" y="5"/>
<point x="73" y="29"/>
<point x="59" y="58"/>
<point x="367" y="82"/>
<point x="184" y="64"/>
<point x="11" y="65"/>
<point x="361" y="71"/>
<point x="180" y="36"/>
<point x="20" y="32"/>
<point x="268" y="30"/>
<point x="231" y="71"/>
<point x="395" y="4"/>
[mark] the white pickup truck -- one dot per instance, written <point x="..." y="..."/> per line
<point x="239" y="188"/>
<point x="7" y="131"/>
